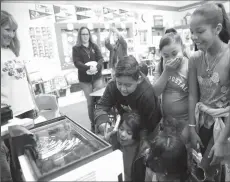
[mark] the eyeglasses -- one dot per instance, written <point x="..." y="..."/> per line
<point x="84" y="34"/>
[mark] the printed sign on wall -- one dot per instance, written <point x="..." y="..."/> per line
<point x="41" y="40"/>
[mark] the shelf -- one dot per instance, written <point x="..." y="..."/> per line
<point x="158" y="27"/>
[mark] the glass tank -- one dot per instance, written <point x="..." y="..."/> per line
<point x="63" y="143"/>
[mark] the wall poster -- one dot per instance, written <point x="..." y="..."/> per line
<point x="41" y="40"/>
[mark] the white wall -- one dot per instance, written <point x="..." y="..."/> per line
<point x="225" y="3"/>
<point x="21" y="13"/>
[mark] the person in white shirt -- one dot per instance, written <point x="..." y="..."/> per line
<point x="15" y="89"/>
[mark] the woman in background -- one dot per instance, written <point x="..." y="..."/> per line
<point x="89" y="76"/>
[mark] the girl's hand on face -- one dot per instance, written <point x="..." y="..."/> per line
<point x="173" y="65"/>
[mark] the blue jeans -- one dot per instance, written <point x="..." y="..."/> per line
<point x="89" y="87"/>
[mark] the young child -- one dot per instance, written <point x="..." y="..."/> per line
<point x="209" y="73"/>
<point x="127" y="140"/>
<point x="172" y="85"/>
<point x="167" y="158"/>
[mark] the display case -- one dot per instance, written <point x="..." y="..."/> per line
<point x="62" y="146"/>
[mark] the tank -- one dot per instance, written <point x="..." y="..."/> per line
<point x="62" y="145"/>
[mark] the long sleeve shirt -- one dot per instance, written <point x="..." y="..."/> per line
<point x="82" y="55"/>
<point x="143" y="100"/>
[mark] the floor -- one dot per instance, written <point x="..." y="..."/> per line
<point x="74" y="106"/>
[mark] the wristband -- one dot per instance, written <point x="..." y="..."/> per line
<point x="192" y="125"/>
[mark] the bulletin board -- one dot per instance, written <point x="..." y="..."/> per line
<point x="41" y="40"/>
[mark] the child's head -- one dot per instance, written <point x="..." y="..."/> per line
<point x="8" y="32"/>
<point x="168" y="158"/>
<point x="129" y="128"/>
<point x="209" y="23"/>
<point x="127" y="74"/>
<point x="171" y="46"/>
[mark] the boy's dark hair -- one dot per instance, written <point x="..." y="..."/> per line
<point x="168" y="154"/>
<point x="143" y="68"/>
<point x="128" y="67"/>
<point x="132" y="120"/>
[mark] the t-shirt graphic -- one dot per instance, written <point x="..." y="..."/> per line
<point x="14" y="68"/>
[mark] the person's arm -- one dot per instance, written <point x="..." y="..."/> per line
<point x="107" y="42"/>
<point x="120" y="39"/>
<point x="77" y="60"/>
<point x="99" y="58"/>
<point x="193" y="99"/>
<point x="221" y="148"/>
<point x="106" y="102"/>
<point x="161" y="82"/>
<point x="226" y="133"/>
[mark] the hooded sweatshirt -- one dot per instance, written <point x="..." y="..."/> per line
<point x="143" y="100"/>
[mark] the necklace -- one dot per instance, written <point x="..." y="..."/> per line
<point x="209" y="69"/>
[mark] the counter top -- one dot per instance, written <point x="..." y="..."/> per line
<point x="27" y="122"/>
<point x="98" y="93"/>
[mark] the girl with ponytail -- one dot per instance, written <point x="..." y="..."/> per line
<point x="209" y="76"/>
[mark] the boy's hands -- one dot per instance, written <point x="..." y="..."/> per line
<point x="109" y="134"/>
<point x="103" y="128"/>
